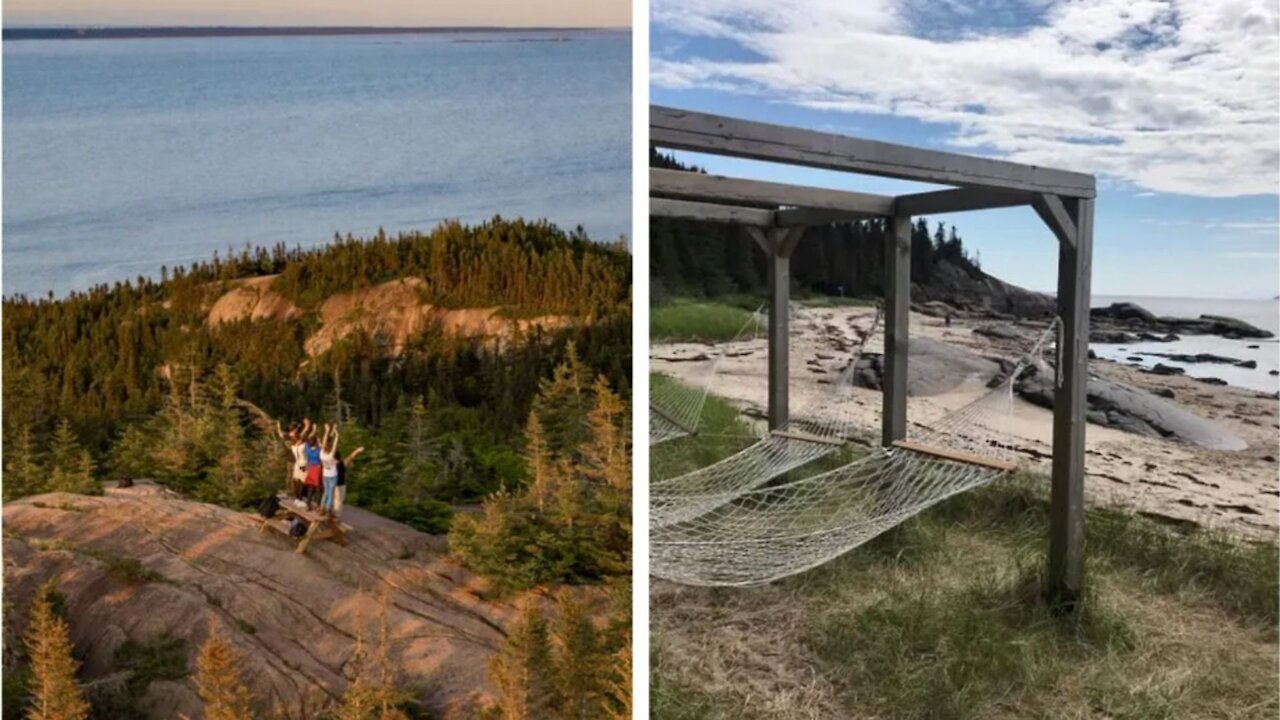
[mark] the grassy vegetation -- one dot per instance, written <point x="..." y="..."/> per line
<point x="942" y="618"/>
<point x="721" y="432"/>
<point x="685" y="320"/>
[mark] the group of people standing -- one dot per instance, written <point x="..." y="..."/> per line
<point x="318" y="475"/>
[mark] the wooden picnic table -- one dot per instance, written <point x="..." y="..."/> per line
<point x="319" y="525"/>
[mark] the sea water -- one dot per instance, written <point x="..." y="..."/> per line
<point x="122" y="156"/>
<point x="1264" y="314"/>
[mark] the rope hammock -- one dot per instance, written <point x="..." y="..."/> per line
<point x="746" y="535"/>
<point x="797" y="443"/>
<point x="675" y="408"/>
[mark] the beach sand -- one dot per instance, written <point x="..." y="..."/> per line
<point x="1170" y="480"/>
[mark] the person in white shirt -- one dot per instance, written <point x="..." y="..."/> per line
<point x="329" y="463"/>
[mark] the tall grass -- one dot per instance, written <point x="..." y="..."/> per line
<point x="687" y="320"/>
<point x="943" y="617"/>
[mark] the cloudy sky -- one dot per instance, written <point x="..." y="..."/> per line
<point x="560" y="13"/>
<point x="1173" y="104"/>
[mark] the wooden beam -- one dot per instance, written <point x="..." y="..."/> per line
<point x="681" y="185"/>
<point x="1053" y="212"/>
<point x="897" y="295"/>
<point x="813" y="217"/>
<point x="719" y="135"/>
<point x="667" y="416"/>
<point x="1065" y="582"/>
<point x="937" y="202"/>
<point x="955" y="455"/>
<point x="709" y="212"/>
<point x="806" y="437"/>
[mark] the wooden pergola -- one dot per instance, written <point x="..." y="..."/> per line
<point x="776" y="216"/>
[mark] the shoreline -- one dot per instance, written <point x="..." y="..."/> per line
<point x="1166" y="479"/>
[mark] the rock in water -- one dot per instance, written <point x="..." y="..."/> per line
<point x="1124" y="311"/>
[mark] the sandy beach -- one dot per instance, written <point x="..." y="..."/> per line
<point x="1168" y="479"/>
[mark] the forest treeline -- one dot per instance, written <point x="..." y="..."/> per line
<point x="131" y="380"/>
<point x="703" y="259"/>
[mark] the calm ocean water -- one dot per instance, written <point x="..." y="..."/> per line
<point x="124" y="155"/>
<point x="1261" y="313"/>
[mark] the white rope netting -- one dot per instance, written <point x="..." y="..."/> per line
<point x="797" y="443"/>
<point x="754" y="535"/>
<point x="675" y="407"/>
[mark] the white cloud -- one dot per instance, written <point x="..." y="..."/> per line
<point x="1172" y="96"/>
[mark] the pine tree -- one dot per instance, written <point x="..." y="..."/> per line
<point x="577" y="659"/>
<point x="538" y="460"/>
<point x="23" y="471"/>
<point x="520" y="669"/>
<point x="218" y="679"/>
<point x="372" y="694"/>
<point x="55" y="694"/>
<point x="70" y="466"/>
<point x="617" y="701"/>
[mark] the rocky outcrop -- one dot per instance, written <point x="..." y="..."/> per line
<point x="252" y="299"/>
<point x="978" y="294"/>
<point x="1129" y="316"/>
<point x="395" y="312"/>
<point x="933" y="368"/>
<point x="392" y="313"/>
<point x="1125" y="408"/>
<point x="141" y="564"/>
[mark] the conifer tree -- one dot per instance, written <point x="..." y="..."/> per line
<point x="538" y="461"/>
<point x="521" y="669"/>
<point x="578" y="661"/>
<point x="55" y="693"/>
<point x="218" y="679"/>
<point x="23" y="471"/>
<point x="372" y="694"/>
<point x="70" y="465"/>
<point x="616" y="703"/>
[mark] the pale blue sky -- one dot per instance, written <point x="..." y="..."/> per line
<point x="1173" y="105"/>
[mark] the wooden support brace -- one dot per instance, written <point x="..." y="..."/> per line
<point x="1054" y="213"/>
<point x="662" y="413"/>
<point x="806" y="437"/>
<point x="956" y="456"/>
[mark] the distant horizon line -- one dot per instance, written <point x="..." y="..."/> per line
<point x="100" y="31"/>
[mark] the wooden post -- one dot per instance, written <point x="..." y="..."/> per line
<point x="1065" y="582"/>
<point x="779" y="244"/>
<point x="897" y="297"/>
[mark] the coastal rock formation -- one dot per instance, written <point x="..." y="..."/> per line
<point x="141" y="564"/>
<point x="979" y="294"/>
<point x="933" y="368"/>
<point x="1133" y="410"/>
<point x="1131" y="317"/>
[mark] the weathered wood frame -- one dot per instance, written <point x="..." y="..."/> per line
<point x="775" y="215"/>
